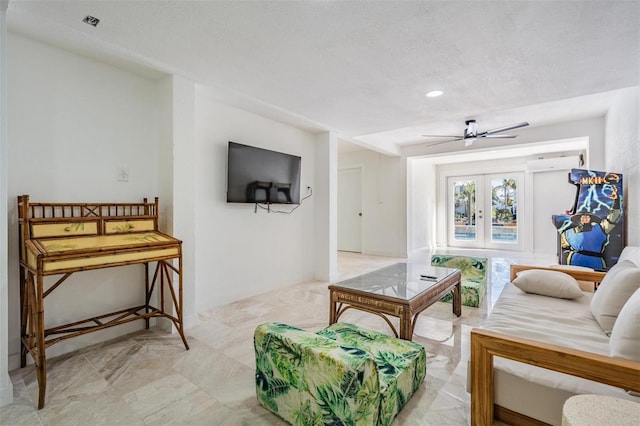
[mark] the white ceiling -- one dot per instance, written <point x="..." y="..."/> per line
<point x="361" y="68"/>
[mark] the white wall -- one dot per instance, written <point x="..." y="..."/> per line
<point x="623" y="155"/>
<point x="384" y="201"/>
<point x="183" y="193"/>
<point x="421" y="204"/>
<point x="326" y="207"/>
<point x="553" y="195"/>
<point x="72" y="122"/>
<point x="6" y="388"/>
<point x="247" y="253"/>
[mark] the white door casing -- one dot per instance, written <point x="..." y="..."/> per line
<point x="486" y="211"/>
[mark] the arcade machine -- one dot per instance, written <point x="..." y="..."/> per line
<point x="591" y="234"/>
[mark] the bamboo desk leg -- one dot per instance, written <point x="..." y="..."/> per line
<point x="33" y="330"/>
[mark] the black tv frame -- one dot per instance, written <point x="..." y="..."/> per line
<point x="262" y="176"/>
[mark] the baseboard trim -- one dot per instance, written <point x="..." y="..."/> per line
<point x="190" y="321"/>
<point x="385" y="254"/>
<point x="14" y="362"/>
<point x="6" y="392"/>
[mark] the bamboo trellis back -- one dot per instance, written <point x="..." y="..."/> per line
<point x="29" y="212"/>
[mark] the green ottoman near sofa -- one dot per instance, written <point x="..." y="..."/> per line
<point x="473" y="273"/>
<point x="343" y="374"/>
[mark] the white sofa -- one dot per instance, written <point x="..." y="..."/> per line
<point x="536" y="351"/>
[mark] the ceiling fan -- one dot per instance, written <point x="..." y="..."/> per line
<point x="471" y="133"/>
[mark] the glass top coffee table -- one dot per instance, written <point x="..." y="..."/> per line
<point x="402" y="290"/>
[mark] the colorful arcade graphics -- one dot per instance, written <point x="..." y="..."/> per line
<point x="591" y="234"/>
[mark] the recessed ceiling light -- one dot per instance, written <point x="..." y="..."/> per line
<point x="434" y="93"/>
<point x="91" y="20"/>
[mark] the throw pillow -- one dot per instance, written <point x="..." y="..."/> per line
<point x="622" y="280"/>
<point x="587" y="286"/>
<point x="625" y="336"/>
<point x="548" y="283"/>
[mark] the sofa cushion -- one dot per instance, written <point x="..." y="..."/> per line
<point x="584" y="285"/>
<point x="548" y="283"/>
<point x="625" y="336"/>
<point x="622" y="280"/>
<point x="631" y="253"/>
<point x="563" y="322"/>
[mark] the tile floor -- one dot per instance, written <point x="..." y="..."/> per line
<point x="149" y="378"/>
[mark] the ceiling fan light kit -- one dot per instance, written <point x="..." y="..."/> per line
<point x="471" y="133"/>
<point x="472" y="129"/>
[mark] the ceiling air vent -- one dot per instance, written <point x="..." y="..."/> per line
<point x="553" y="164"/>
<point x="91" y="20"/>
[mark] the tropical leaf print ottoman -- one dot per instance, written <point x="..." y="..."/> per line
<point x="342" y="375"/>
<point x="473" y="273"/>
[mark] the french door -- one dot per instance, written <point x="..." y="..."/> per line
<point x="483" y="211"/>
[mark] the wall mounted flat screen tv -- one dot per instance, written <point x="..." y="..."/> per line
<point x="256" y="175"/>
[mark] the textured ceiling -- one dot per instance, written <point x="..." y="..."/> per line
<point x="362" y="68"/>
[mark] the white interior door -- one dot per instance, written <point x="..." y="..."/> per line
<point x="350" y="209"/>
<point x="484" y="211"/>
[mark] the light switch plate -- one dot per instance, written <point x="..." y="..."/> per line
<point x="123" y="174"/>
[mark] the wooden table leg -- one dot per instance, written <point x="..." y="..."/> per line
<point x="24" y="313"/>
<point x="179" y="308"/>
<point x="41" y="358"/>
<point x="406" y="329"/>
<point x="333" y="308"/>
<point x="457" y="299"/>
<point x="147" y="294"/>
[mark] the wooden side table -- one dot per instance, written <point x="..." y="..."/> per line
<point x="598" y="410"/>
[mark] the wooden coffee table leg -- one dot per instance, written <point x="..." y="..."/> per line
<point x="406" y="329"/>
<point x="332" y="308"/>
<point x="457" y="299"/>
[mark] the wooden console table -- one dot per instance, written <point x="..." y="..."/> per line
<point x="64" y="238"/>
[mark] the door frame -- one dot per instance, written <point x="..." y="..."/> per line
<point x="443" y="174"/>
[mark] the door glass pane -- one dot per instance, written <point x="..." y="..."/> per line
<point x="464" y="200"/>
<point x="504" y="209"/>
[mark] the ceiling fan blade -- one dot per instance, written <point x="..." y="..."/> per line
<point x="442" y="136"/>
<point x="504" y="129"/>
<point x="441" y="142"/>
<point x="499" y="136"/>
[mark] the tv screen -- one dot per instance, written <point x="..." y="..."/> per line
<point x="256" y="175"/>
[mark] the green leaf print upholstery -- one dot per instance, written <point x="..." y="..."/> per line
<point x="473" y="272"/>
<point x="343" y="375"/>
<point x="401" y="364"/>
